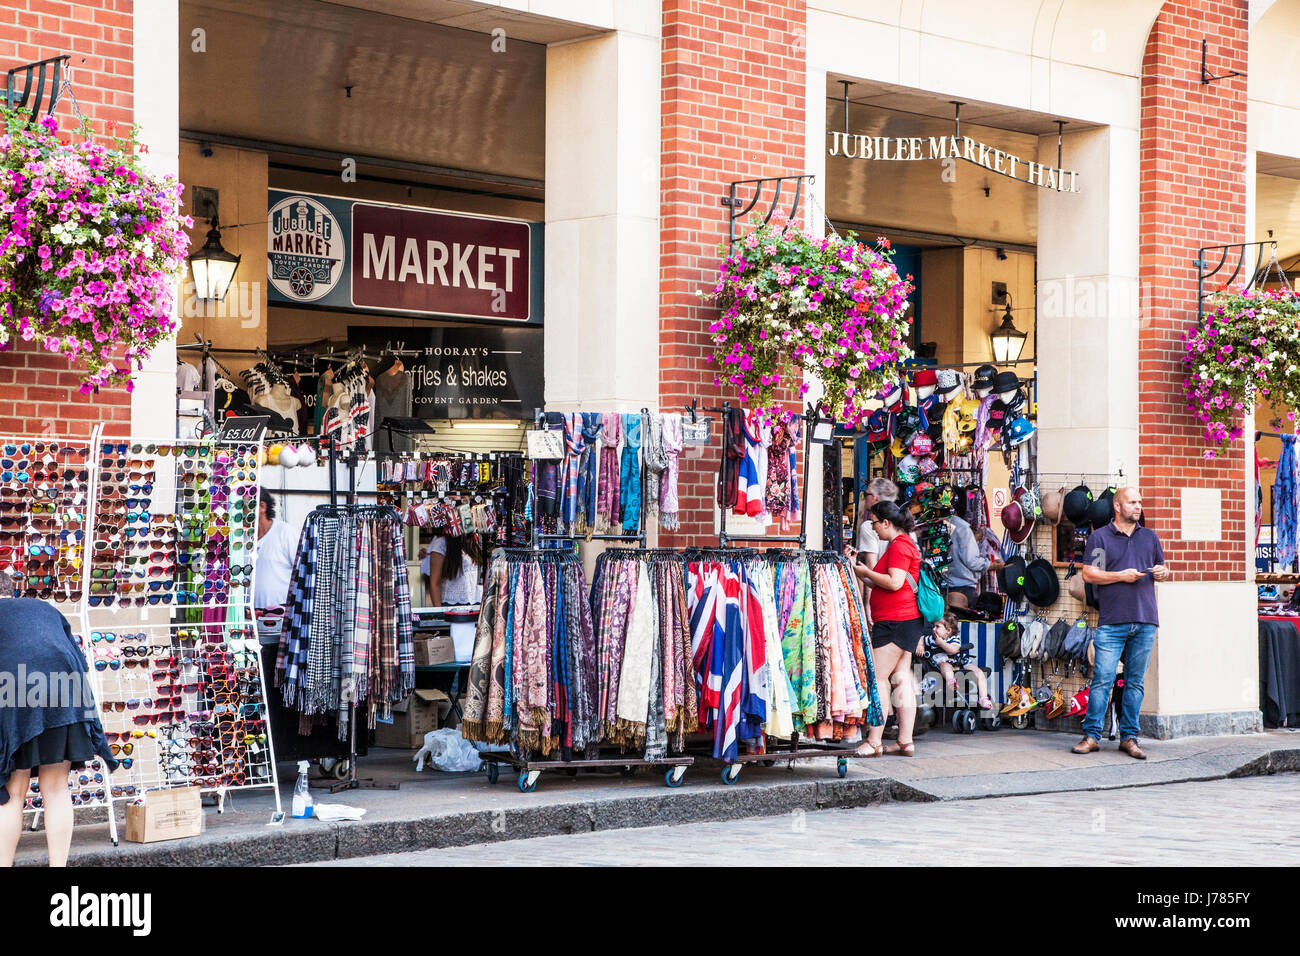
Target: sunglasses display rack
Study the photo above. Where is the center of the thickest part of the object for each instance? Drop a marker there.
(184, 706)
(176, 533)
(46, 511)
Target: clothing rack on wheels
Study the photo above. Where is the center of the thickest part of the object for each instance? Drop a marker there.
(783, 749)
(351, 781)
(530, 769)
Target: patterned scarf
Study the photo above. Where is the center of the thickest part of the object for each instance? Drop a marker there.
(571, 469)
(608, 492)
(672, 445)
(587, 471)
(655, 462)
(482, 671)
(634, 679)
(630, 475)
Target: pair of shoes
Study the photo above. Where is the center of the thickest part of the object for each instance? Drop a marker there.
(1130, 747)
(1085, 746)
(901, 750)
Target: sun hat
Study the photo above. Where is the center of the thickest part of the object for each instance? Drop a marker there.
(1052, 504)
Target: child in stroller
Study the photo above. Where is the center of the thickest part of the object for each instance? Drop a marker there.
(943, 650)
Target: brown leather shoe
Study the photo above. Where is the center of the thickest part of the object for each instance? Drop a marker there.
(1131, 748)
(1085, 746)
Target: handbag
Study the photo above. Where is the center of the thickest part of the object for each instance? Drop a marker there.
(1032, 641)
(545, 444)
(929, 599)
(1054, 644)
(1076, 640)
(1009, 641)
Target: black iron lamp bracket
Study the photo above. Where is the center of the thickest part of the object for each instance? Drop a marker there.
(1206, 75)
(738, 208)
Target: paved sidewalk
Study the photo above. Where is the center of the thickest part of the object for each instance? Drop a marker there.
(1217, 823)
(435, 809)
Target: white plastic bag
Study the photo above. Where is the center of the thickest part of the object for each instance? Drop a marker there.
(448, 750)
(333, 812)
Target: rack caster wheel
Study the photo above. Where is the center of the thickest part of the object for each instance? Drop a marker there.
(842, 767)
(769, 763)
(493, 772)
(327, 766)
(673, 778)
(1020, 721)
(528, 780)
(958, 724)
(627, 772)
(341, 770)
(990, 723)
(730, 773)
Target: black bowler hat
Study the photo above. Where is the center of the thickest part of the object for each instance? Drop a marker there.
(1006, 382)
(1011, 577)
(1042, 586)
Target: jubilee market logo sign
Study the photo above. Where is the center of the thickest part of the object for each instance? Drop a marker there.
(957, 146)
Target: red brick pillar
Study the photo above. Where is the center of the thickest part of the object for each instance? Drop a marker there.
(733, 108)
(1192, 194)
(38, 391)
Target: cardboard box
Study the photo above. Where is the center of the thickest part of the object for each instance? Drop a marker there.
(165, 815)
(438, 649)
(414, 717)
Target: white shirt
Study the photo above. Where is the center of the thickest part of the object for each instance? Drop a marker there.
(276, 551)
(462, 589)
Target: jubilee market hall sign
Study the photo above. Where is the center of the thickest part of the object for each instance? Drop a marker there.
(913, 148)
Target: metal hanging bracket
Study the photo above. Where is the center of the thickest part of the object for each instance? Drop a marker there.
(1210, 261)
(737, 208)
(1206, 76)
(52, 72)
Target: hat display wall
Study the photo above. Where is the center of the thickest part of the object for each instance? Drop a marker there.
(1014, 520)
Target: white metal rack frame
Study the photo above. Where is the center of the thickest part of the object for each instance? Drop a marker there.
(215, 608)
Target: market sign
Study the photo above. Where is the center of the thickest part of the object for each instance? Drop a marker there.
(915, 148)
(460, 372)
(336, 253)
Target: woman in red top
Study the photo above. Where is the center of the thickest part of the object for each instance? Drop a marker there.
(896, 624)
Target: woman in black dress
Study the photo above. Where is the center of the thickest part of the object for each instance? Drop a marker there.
(49, 721)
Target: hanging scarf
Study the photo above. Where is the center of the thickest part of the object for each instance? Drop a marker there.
(655, 461)
(1286, 506)
(608, 495)
(672, 445)
(733, 442)
(587, 470)
(795, 429)
(630, 475)
(483, 668)
(634, 679)
(776, 498)
(571, 469)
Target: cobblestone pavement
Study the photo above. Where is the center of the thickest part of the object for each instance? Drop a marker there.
(1243, 822)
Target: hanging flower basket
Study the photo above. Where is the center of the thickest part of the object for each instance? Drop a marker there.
(793, 302)
(1246, 348)
(91, 245)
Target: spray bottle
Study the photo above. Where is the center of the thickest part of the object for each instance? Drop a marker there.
(303, 804)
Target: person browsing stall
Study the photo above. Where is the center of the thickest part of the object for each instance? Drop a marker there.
(965, 561)
(897, 625)
(1124, 560)
(454, 565)
(277, 547)
(48, 734)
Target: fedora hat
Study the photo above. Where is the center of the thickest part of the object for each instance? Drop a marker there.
(1076, 505)
(1053, 501)
(948, 383)
(1005, 382)
(1016, 517)
(1011, 577)
(1042, 586)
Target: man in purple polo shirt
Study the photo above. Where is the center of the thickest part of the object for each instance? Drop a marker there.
(1124, 560)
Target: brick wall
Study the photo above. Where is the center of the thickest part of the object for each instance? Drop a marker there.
(1193, 194)
(38, 391)
(733, 108)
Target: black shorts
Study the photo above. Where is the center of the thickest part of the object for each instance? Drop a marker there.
(902, 634)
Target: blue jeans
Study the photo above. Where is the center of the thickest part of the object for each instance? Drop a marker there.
(1133, 643)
